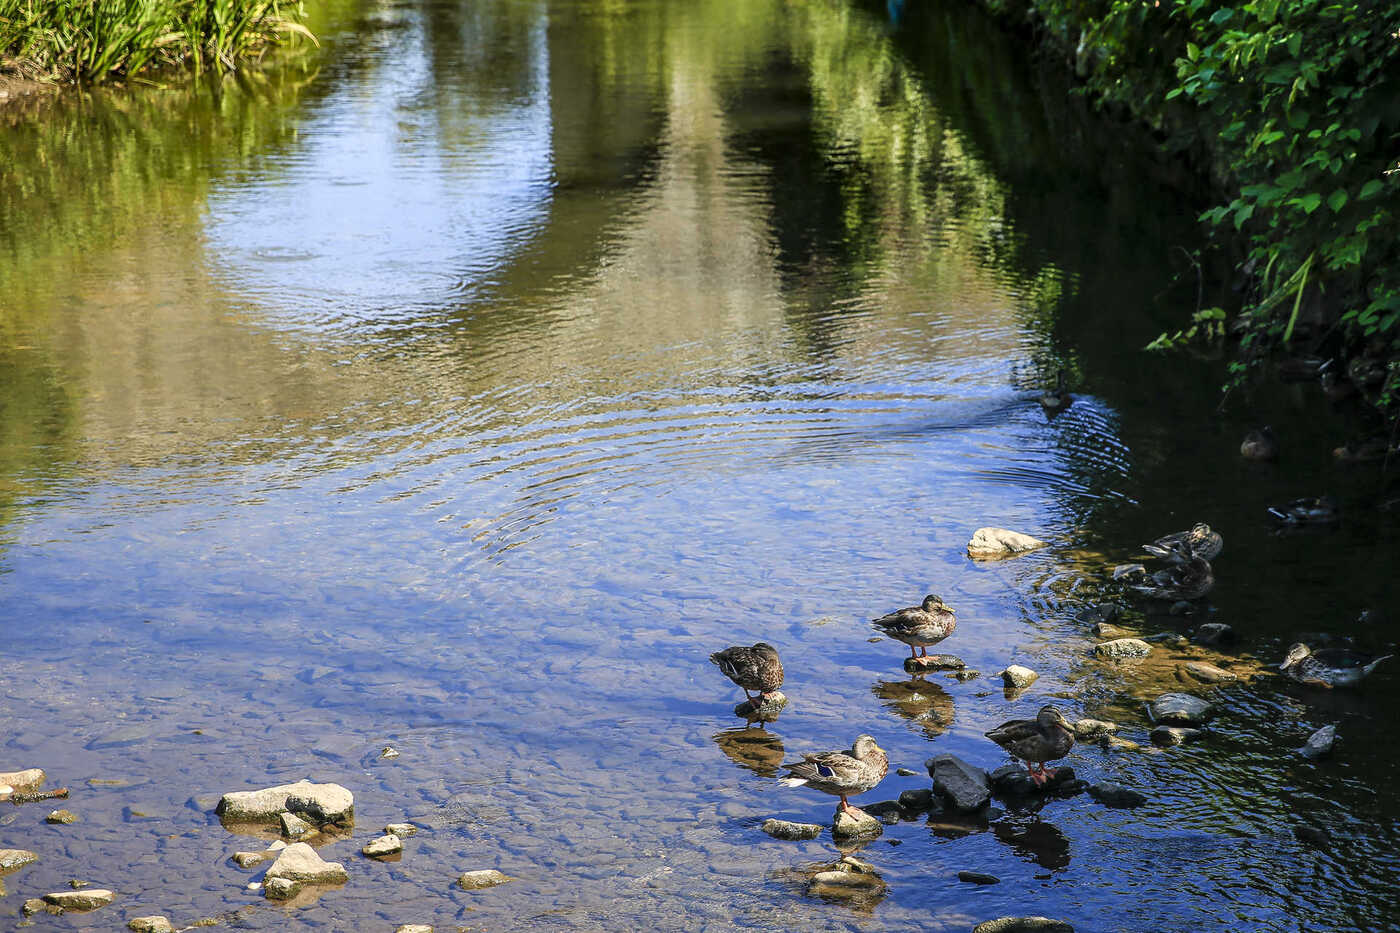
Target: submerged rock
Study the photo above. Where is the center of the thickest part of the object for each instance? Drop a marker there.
(482, 878)
(1017, 676)
(1109, 630)
(323, 803)
(1212, 633)
(15, 859)
(1180, 709)
(1116, 795)
(86, 899)
(1120, 648)
(61, 816)
(152, 924)
(1205, 673)
(996, 543)
(1023, 925)
(786, 829)
(855, 825)
(383, 846)
(1174, 735)
(1319, 743)
(977, 877)
(963, 786)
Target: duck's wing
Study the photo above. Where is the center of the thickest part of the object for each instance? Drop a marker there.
(838, 769)
(902, 621)
(1014, 732)
(736, 663)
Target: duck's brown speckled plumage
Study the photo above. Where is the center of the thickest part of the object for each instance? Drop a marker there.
(1189, 578)
(752, 668)
(1328, 667)
(841, 773)
(1200, 540)
(1035, 741)
(919, 626)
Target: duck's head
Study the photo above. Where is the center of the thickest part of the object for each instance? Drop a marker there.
(1052, 716)
(1295, 654)
(933, 603)
(865, 746)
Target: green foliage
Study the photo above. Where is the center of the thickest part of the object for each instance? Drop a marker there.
(1296, 108)
(93, 40)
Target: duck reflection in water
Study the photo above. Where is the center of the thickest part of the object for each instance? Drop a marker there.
(925, 704)
(753, 748)
(1034, 839)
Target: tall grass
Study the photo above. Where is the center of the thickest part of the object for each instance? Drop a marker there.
(93, 40)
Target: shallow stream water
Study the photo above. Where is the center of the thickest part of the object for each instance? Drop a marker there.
(460, 388)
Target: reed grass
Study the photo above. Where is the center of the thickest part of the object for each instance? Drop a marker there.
(91, 41)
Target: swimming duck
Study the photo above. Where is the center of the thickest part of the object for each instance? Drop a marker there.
(1328, 667)
(1190, 577)
(1320, 510)
(841, 773)
(1056, 399)
(1362, 451)
(919, 626)
(1200, 540)
(1035, 741)
(757, 668)
(1259, 445)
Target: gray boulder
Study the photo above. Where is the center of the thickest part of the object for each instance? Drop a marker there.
(964, 786)
(321, 803)
(1319, 743)
(1123, 648)
(1116, 795)
(1180, 709)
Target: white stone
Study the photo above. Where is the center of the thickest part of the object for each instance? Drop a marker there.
(388, 844)
(301, 863)
(1017, 676)
(86, 899)
(483, 878)
(999, 542)
(23, 782)
(324, 803)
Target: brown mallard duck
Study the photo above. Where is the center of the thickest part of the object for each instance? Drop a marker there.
(841, 773)
(1056, 398)
(1035, 741)
(1259, 444)
(1190, 577)
(919, 626)
(756, 668)
(1328, 667)
(1199, 539)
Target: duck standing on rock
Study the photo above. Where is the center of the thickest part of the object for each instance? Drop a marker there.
(1199, 540)
(919, 626)
(1035, 741)
(841, 773)
(757, 668)
(1328, 667)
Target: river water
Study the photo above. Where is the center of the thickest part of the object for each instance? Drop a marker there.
(459, 388)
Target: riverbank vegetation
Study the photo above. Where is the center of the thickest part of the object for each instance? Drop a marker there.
(91, 41)
(1294, 110)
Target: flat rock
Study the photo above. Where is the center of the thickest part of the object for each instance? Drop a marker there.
(996, 543)
(1023, 925)
(1212, 633)
(152, 924)
(1319, 743)
(15, 859)
(1109, 630)
(23, 782)
(413, 928)
(1205, 672)
(934, 662)
(1174, 735)
(86, 899)
(978, 877)
(1120, 648)
(1116, 795)
(482, 878)
(855, 825)
(1179, 709)
(250, 859)
(1017, 676)
(321, 803)
(786, 829)
(301, 864)
(383, 846)
(1093, 728)
(962, 785)
(402, 830)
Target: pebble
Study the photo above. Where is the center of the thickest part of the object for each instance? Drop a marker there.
(61, 816)
(413, 928)
(906, 772)
(963, 677)
(389, 752)
(1319, 743)
(977, 877)
(383, 846)
(402, 830)
(152, 924)
(1017, 676)
(785, 829)
(482, 878)
(1121, 648)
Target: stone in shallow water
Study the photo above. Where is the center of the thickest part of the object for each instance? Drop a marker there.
(1092, 728)
(61, 816)
(1174, 735)
(324, 803)
(1180, 709)
(15, 859)
(293, 826)
(905, 772)
(962, 785)
(1109, 630)
(1023, 925)
(482, 878)
(978, 877)
(1116, 795)
(916, 800)
(1015, 780)
(86, 899)
(785, 829)
(1205, 673)
(1122, 648)
(250, 859)
(402, 830)
(934, 662)
(23, 782)
(152, 924)
(855, 825)
(995, 543)
(1212, 633)
(302, 864)
(1320, 742)
(771, 705)
(1017, 676)
(383, 846)
(414, 928)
